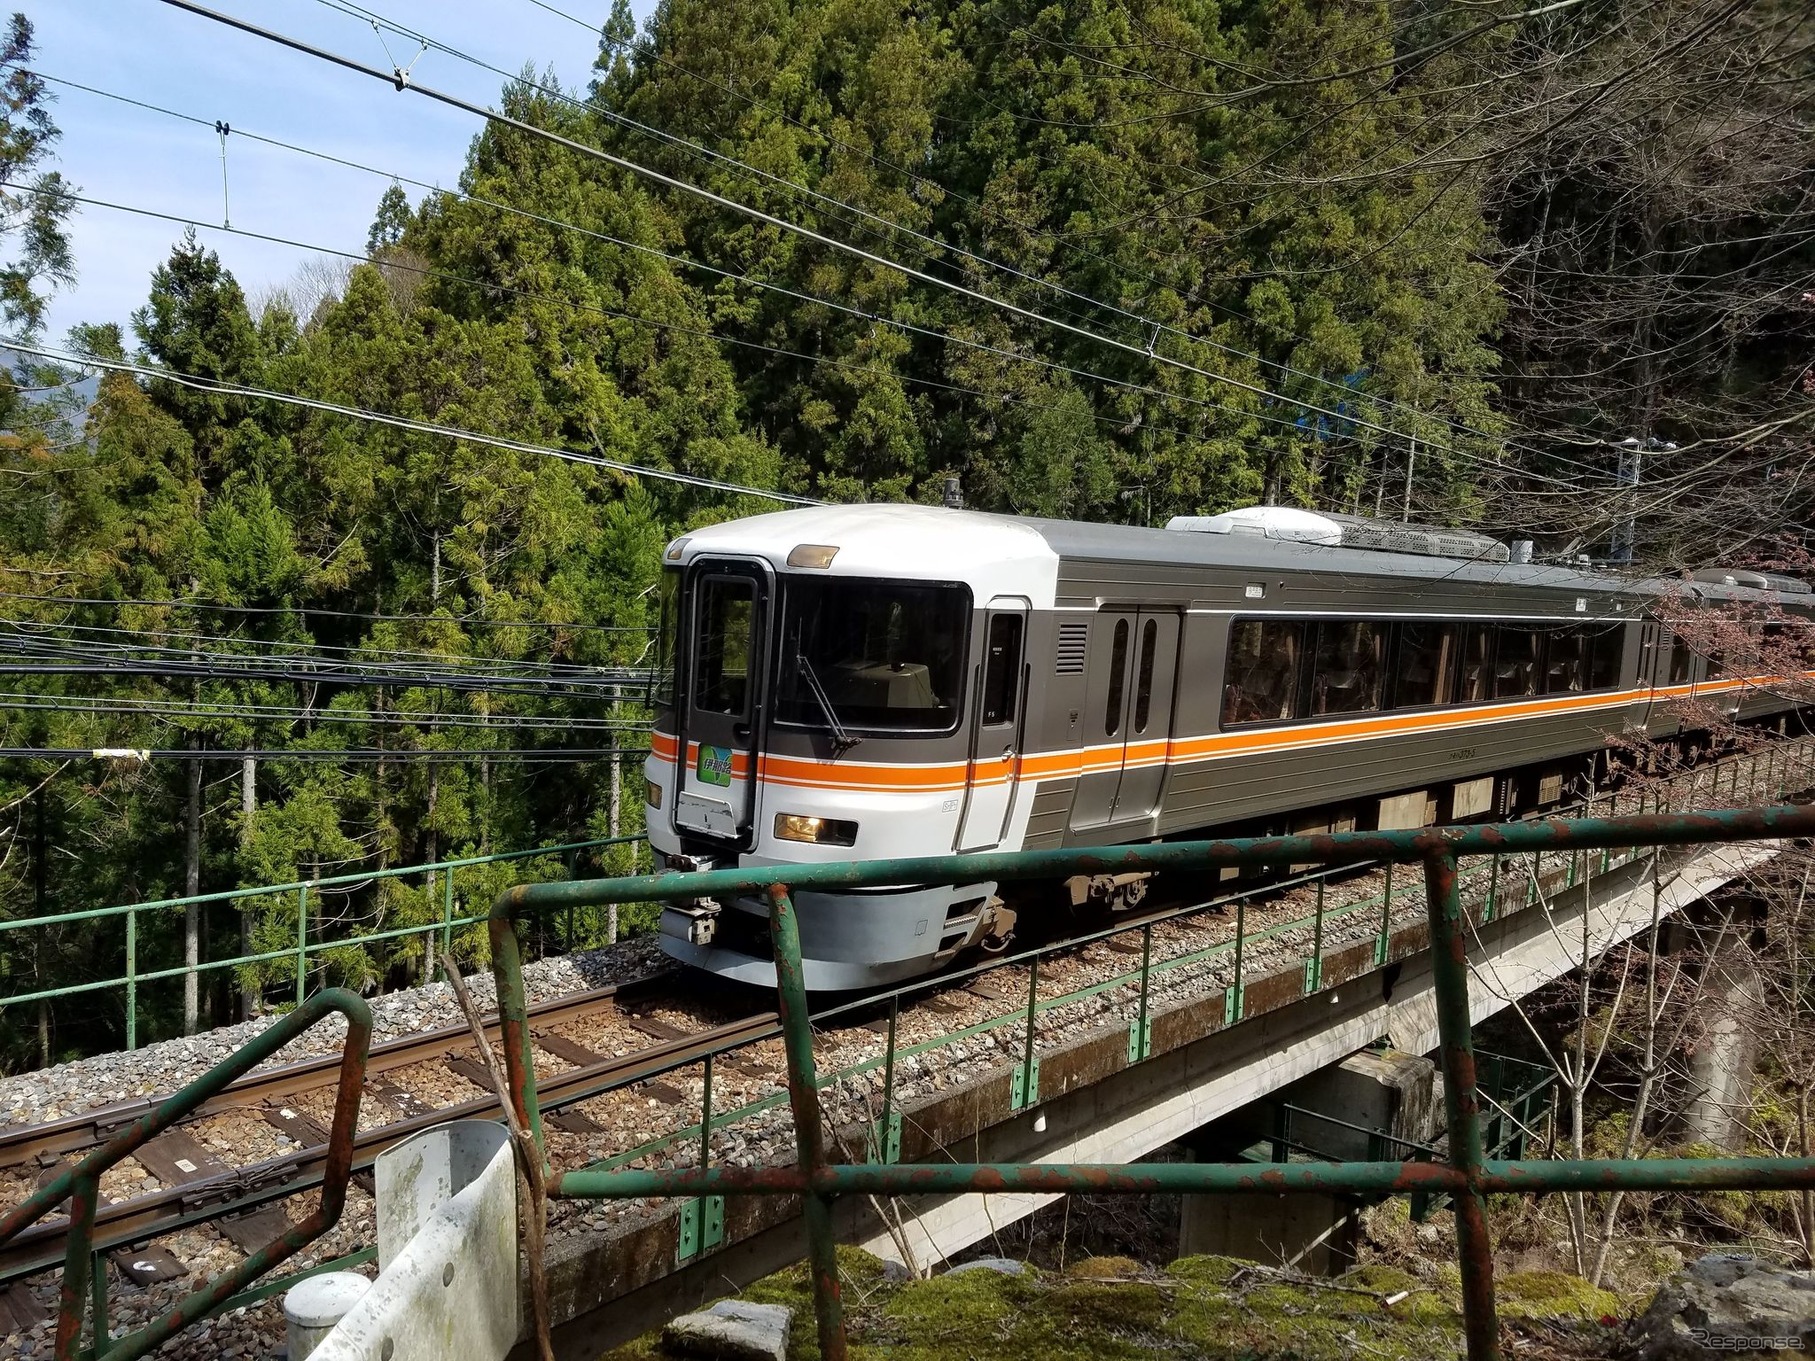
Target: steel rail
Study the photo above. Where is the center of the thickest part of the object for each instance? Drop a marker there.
(35, 1143)
(246, 1188)
(80, 1186)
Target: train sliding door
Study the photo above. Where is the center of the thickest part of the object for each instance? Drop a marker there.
(722, 707)
(1128, 710)
(995, 742)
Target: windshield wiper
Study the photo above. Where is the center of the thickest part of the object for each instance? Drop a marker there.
(842, 741)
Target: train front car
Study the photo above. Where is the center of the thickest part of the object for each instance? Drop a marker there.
(842, 684)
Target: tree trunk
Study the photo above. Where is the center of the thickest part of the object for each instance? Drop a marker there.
(430, 846)
(192, 885)
(248, 805)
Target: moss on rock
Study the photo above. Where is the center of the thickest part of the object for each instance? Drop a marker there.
(1115, 1309)
(1553, 1294)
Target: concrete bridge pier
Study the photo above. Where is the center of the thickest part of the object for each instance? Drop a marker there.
(1722, 1058)
(1371, 1106)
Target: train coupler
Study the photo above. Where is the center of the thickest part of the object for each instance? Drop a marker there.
(695, 922)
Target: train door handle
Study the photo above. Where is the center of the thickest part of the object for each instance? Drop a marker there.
(741, 732)
(1008, 753)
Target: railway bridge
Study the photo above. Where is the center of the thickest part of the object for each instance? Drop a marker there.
(1107, 1049)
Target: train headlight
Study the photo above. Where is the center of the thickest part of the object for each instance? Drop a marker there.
(654, 796)
(820, 831)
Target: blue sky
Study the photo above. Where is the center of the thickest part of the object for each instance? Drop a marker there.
(155, 53)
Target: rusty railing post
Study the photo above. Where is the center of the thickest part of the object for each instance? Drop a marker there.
(513, 1015)
(1449, 968)
(80, 1185)
(809, 1139)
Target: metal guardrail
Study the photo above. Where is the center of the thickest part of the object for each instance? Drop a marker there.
(1468, 1176)
(435, 933)
(80, 1185)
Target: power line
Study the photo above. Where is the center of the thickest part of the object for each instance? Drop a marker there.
(399, 422)
(30, 701)
(1147, 326)
(759, 215)
(571, 304)
(428, 755)
(1286, 421)
(320, 611)
(37, 636)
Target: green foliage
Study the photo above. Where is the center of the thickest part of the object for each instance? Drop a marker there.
(35, 220)
(1169, 158)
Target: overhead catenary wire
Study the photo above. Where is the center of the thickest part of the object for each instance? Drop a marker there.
(319, 611)
(681, 261)
(512, 290)
(1146, 326)
(806, 233)
(432, 755)
(27, 701)
(1284, 420)
(202, 384)
(1151, 328)
(46, 638)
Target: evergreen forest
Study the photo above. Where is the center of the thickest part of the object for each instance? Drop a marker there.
(265, 621)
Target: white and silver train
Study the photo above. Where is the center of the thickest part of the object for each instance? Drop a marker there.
(865, 681)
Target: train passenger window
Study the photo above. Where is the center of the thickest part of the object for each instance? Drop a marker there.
(1001, 669)
(1260, 679)
(1118, 672)
(1347, 671)
(721, 669)
(1477, 664)
(1143, 681)
(1682, 660)
(1717, 665)
(1516, 654)
(1606, 650)
(1427, 664)
(1566, 662)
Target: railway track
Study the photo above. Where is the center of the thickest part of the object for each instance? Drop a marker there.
(197, 1189)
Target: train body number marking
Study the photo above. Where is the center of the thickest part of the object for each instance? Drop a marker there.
(714, 765)
(1461, 754)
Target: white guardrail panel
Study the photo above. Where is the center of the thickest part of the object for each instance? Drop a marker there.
(448, 1291)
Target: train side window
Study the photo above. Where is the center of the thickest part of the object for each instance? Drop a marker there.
(1118, 672)
(1143, 684)
(1427, 665)
(1002, 669)
(1516, 654)
(1566, 662)
(1477, 665)
(1606, 650)
(1682, 660)
(1260, 678)
(1347, 672)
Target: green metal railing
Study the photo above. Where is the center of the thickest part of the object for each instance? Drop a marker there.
(1572, 847)
(85, 1270)
(312, 938)
(1506, 883)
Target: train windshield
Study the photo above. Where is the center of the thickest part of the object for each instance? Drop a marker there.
(888, 656)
